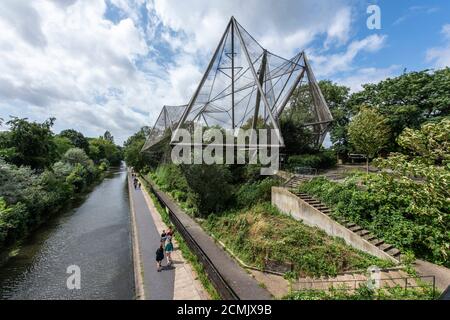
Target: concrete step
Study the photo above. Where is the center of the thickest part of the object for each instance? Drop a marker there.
(355, 228)
(393, 252)
(377, 242)
(369, 237)
(385, 246)
(350, 224)
(362, 232)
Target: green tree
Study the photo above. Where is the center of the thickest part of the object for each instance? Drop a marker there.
(76, 155)
(62, 145)
(337, 97)
(409, 100)
(100, 148)
(77, 139)
(108, 136)
(30, 143)
(139, 160)
(431, 143)
(368, 133)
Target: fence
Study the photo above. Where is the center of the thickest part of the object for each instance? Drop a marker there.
(219, 283)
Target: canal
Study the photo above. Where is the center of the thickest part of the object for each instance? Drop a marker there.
(93, 235)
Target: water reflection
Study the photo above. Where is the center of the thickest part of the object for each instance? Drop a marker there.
(95, 235)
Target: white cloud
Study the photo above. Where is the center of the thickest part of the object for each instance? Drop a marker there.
(283, 27)
(440, 56)
(326, 65)
(367, 75)
(63, 58)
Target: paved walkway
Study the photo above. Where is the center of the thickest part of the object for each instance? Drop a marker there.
(176, 282)
(441, 273)
(242, 283)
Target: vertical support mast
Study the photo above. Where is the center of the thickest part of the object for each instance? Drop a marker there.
(255, 77)
(232, 73)
(205, 76)
(262, 72)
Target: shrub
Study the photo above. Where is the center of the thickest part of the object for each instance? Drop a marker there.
(322, 160)
(13, 221)
(251, 193)
(260, 230)
(400, 211)
(74, 156)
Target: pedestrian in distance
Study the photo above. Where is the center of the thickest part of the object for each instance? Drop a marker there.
(159, 256)
(169, 249)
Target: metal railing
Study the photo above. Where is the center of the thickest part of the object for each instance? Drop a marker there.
(352, 284)
(219, 283)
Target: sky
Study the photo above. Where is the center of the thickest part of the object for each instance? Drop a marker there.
(98, 65)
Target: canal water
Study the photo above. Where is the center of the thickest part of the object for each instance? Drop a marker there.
(93, 235)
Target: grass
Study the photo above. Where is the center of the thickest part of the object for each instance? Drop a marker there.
(260, 231)
(185, 251)
(364, 293)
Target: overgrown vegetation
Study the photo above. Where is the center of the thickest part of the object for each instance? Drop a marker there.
(41, 172)
(320, 160)
(408, 204)
(260, 231)
(424, 292)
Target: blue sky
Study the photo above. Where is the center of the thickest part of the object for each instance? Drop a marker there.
(101, 65)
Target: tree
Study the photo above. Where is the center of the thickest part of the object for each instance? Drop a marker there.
(431, 143)
(140, 160)
(100, 148)
(337, 97)
(76, 155)
(368, 133)
(30, 143)
(108, 136)
(407, 101)
(299, 139)
(62, 145)
(76, 138)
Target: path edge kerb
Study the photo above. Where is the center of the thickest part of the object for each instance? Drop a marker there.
(137, 261)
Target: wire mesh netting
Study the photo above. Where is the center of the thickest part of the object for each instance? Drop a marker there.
(164, 125)
(245, 86)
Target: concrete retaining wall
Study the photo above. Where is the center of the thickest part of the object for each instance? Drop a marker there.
(289, 203)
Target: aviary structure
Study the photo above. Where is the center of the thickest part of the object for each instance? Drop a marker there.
(245, 86)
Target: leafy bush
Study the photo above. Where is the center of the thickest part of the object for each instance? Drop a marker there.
(13, 221)
(323, 160)
(29, 198)
(75, 156)
(251, 193)
(405, 213)
(424, 292)
(261, 230)
(201, 189)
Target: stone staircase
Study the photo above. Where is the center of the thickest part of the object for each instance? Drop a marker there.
(360, 231)
(296, 180)
(352, 280)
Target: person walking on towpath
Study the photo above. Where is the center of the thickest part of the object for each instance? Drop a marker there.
(159, 256)
(170, 231)
(163, 237)
(169, 249)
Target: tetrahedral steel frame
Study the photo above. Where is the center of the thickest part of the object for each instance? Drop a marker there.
(244, 86)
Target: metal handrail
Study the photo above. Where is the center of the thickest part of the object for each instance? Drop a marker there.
(220, 284)
(355, 281)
